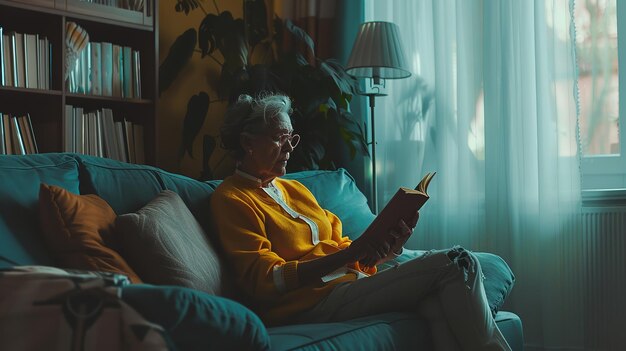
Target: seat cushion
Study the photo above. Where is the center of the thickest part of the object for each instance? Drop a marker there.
(20, 176)
(511, 327)
(78, 231)
(196, 320)
(389, 331)
(166, 245)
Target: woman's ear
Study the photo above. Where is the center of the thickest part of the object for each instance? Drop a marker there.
(246, 142)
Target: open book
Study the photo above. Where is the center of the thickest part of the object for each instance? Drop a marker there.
(402, 205)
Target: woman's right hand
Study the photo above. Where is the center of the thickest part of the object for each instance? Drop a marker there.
(377, 249)
(369, 251)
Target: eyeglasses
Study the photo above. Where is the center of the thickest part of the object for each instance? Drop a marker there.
(280, 139)
(293, 139)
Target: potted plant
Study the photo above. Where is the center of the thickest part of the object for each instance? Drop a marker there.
(267, 56)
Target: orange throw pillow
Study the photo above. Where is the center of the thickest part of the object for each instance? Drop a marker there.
(78, 230)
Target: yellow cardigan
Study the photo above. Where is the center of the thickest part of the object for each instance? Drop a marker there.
(257, 234)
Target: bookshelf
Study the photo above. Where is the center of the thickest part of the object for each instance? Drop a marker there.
(47, 106)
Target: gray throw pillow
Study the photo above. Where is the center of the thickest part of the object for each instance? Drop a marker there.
(164, 243)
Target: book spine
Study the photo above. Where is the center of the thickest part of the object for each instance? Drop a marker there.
(2, 63)
(121, 141)
(99, 134)
(20, 59)
(96, 69)
(31, 131)
(26, 54)
(48, 63)
(86, 69)
(79, 130)
(8, 65)
(110, 141)
(29, 146)
(107, 69)
(23, 134)
(30, 64)
(3, 149)
(14, 49)
(130, 140)
(8, 141)
(137, 74)
(40, 63)
(16, 136)
(115, 74)
(127, 80)
(93, 129)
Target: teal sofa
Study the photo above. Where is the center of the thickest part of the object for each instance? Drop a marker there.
(195, 320)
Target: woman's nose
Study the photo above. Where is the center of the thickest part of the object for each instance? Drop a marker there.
(287, 147)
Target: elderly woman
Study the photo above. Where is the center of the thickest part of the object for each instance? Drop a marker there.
(292, 262)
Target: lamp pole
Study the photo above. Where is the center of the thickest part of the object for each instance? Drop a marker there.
(372, 101)
(372, 98)
(377, 54)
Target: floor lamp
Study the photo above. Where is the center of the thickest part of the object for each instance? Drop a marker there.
(377, 54)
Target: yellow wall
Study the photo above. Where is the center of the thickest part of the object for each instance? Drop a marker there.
(172, 104)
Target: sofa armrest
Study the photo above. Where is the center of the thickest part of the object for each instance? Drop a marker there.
(196, 320)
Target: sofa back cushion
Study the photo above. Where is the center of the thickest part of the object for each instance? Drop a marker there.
(20, 240)
(337, 192)
(125, 187)
(128, 187)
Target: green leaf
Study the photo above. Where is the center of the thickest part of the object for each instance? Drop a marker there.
(186, 5)
(255, 21)
(348, 138)
(208, 147)
(300, 34)
(344, 82)
(179, 54)
(224, 33)
(344, 101)
(197, 109)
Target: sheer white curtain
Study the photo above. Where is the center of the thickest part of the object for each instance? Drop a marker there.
(502, 136)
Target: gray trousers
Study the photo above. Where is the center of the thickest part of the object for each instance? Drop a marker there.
(444, 287)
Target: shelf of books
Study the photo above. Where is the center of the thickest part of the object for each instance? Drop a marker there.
(79, 76)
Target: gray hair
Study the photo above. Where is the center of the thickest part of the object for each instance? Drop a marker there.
(251, 115)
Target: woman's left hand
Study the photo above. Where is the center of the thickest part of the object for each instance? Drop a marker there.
(404, 232)
(400, 234)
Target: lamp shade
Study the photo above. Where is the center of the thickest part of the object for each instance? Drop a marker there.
(378, 52)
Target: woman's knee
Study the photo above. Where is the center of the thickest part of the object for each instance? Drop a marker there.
(465, 262)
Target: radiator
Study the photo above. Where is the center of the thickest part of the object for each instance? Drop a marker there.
(604, 277)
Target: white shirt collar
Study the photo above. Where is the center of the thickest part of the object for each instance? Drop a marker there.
(249, 176)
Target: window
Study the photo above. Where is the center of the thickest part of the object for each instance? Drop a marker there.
(600, 48)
